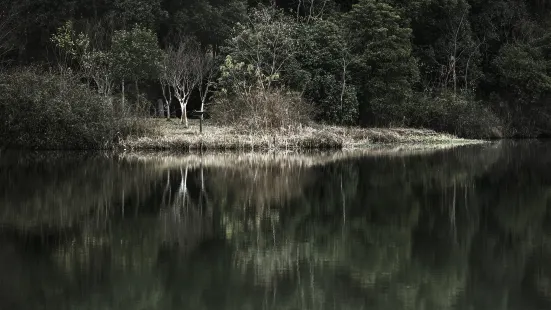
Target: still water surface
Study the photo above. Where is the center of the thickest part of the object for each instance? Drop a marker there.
(467, 228)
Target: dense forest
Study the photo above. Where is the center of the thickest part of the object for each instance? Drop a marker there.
(469, 67)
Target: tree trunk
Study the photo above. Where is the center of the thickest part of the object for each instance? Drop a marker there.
(184, 114)
(160, 110)
(454, 76)
(122, 93)
(202, 112)
(137, 94)
(168, 110)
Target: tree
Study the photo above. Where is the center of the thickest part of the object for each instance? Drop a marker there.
(383, 68)
(182, 72)
(525, 86)
(447, 49)
(206, 72)
(523, 72)
(267, 42)
(312, 9)
(164, 81)
(136, 55)
(98, 65)
(325, 54)
(210, 21)
(146, 13)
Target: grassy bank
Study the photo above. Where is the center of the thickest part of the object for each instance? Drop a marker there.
(170, 135)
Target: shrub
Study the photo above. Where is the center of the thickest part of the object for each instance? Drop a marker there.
(457, 114)
(262, 110)
(55, 111)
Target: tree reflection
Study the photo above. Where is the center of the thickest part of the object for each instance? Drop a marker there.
(466, 228)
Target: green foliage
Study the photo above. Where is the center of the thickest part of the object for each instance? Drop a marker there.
(252, 93)
(448, 51)
(146, 13)
(325, 92)
(523, 72)
(69, 42)
(358, 61)
(322, 46)
(248, 100)
(383, 67)
(238, 77)
(211, 21)
(325, 55)
(51, 111)
(71, 46)
(458, 114)
(136, 53)
(266, 42)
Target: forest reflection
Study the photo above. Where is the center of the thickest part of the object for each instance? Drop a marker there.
(465, 228)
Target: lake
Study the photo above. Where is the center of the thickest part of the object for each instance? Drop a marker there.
(462, 228)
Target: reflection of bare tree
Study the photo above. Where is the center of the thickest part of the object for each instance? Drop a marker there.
(403, 232)
(183, 220)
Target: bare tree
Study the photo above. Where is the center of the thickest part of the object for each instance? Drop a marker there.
(346, 59)
(182, 72)
(164, 80)
(453, 56)
(461, 52)
(206, 72)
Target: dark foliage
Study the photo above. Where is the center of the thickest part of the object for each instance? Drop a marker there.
(368, 62)
(55, 111)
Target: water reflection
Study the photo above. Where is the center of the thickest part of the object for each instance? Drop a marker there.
(467, 228)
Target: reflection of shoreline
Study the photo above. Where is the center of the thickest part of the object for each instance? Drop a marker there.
(168, 159)
(61, 189)
(404, 230)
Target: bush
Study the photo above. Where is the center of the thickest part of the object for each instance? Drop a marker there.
(54, 111)
(262, 110)
(457, 114)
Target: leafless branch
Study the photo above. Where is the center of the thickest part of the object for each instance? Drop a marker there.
(182, 71)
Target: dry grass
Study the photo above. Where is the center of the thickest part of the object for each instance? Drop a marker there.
(175, 137)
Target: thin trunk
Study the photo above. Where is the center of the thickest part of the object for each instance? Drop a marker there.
(203, 98)
(122, 100)
(184, 114)
(454, 56)
(454, 78)
(183, 107)
(168, 110)
(343, 86)
(137, 94)
(311, 10)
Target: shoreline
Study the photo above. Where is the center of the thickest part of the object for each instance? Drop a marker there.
(171, 136)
